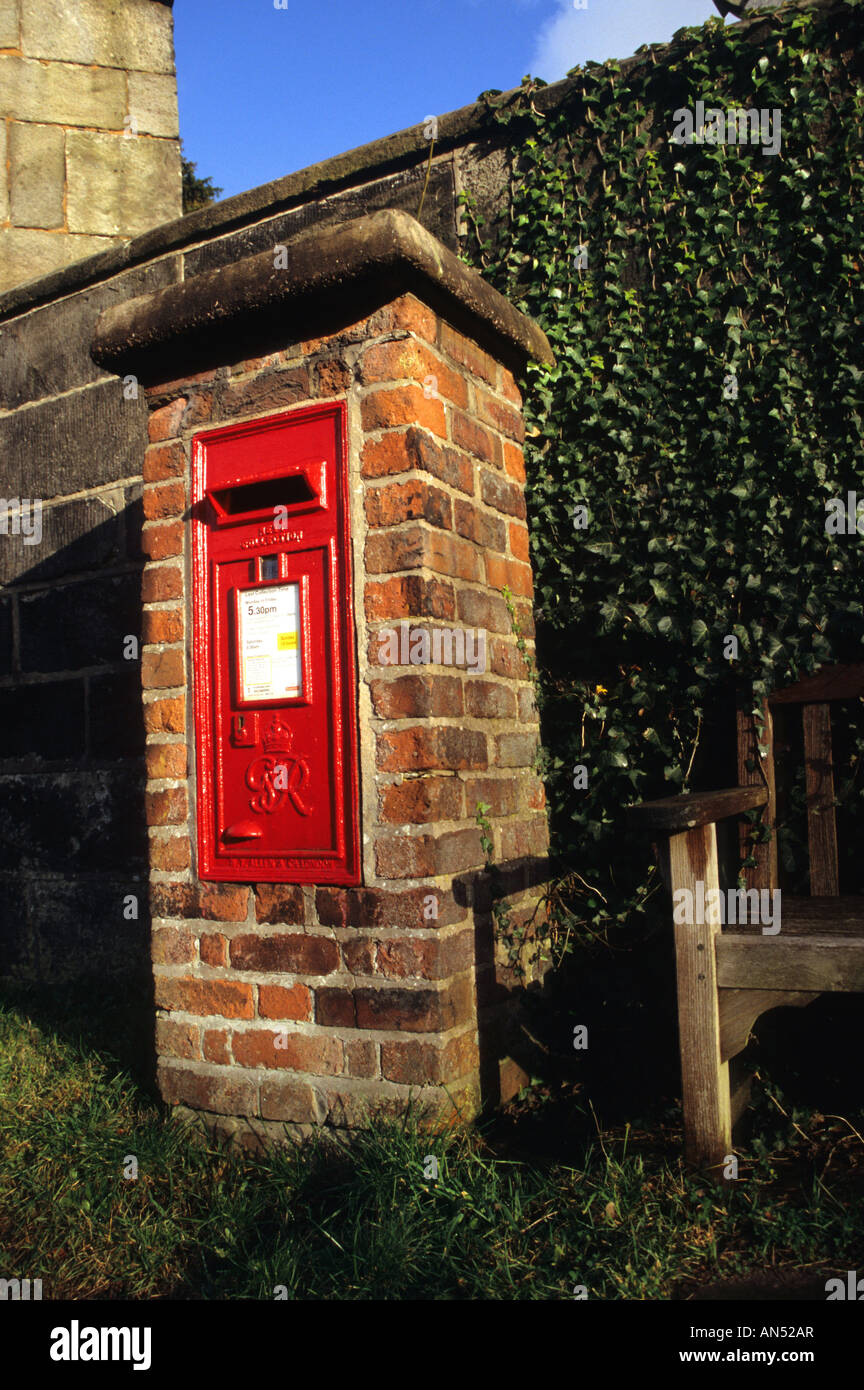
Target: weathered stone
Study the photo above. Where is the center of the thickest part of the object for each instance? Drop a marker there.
(115, 716)
(79, 625)
(118, 186)
(4, 190)
(6, 637)
(8, 23)
(73, 443)
(38, 160)
(72, 822)
(153, 103)
(45, 352)
(43, 721)
(61, 93)
(27, 253)
(112, 33)
(84, 534)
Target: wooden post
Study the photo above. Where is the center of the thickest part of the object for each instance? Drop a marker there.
(704, 1076)
(821, 820)
(764, 873)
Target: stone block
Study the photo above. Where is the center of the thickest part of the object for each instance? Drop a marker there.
(118, 186)
(63, 94)
(8, 23)
(46, 352)
(44, 721)
(38, 160)
(73, 822)
(75, 626)
(27, 253)
(4, 175)
(110, 33)
(153, 104)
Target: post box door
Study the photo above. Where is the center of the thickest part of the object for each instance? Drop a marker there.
(274, 652)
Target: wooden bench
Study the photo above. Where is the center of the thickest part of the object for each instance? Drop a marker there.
(730, 975)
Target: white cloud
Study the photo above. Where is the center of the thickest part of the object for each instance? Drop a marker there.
(608, 29)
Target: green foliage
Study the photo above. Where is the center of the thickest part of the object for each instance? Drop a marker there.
(360, 1219)
(197, 192)
(706, 510)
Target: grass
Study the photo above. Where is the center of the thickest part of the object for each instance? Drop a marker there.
(360, 1221)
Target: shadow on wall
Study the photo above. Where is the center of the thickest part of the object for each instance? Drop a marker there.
(74, 923)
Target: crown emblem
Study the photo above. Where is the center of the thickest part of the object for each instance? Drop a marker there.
(277, 737)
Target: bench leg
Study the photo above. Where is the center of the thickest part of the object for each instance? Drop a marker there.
(704, 1076)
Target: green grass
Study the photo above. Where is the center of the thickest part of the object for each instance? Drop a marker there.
(359, 1220)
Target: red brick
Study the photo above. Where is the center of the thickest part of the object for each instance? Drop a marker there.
(374, 907)
(427, 856)
(507, 386)
(499, 793)
(171, 946)
(385, 408)
(333, 377)
(164, 423)
(172, 900)
(162, 670)
(505, 659)
(478, 609)
(225, 1094)
(515, 750)
(415, 450)
(175, 1039)
(227, 998)
(479, 526)
(415, 1063)
(213, 949)
(158, 542)
(512, 573)
(417, 697)
(514, 462)
(295, 955)
(223, 902)
(501, 417)
(169, 852)
(162, 625)
(160, 583)
(292, 1102)
(422, 800)
(321, 1056)
(278, 903)
(165, 716)
(519, 541)
(406, 358)
(359, 955)
(489, 700)
(270, 391)
(467, 353)
(274, 1001)
(415, 1010)
(423, 749)
(406, 312)
(334, 1008)
(163, 461)
(411, 596)
(361, 1058)
(166, 807)
(501, 494)
(467, 434)
(165, 760)
(390, 503)
(214, 1046)
(167, 500)
(199, 410)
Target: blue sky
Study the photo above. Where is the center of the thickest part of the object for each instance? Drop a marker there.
(265, 91)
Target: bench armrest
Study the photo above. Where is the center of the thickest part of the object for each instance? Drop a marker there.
(677, 813)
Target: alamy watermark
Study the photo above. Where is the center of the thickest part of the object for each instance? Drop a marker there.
(436, 646)
(736, 126)
(734, 906)
(21, 516)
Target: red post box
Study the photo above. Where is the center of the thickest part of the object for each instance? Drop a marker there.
(273, 651)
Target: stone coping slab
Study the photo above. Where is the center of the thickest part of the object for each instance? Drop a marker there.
(348, 268)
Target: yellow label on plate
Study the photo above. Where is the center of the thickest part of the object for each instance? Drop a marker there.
(285, 641)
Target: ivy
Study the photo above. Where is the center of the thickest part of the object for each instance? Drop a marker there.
(704, 303)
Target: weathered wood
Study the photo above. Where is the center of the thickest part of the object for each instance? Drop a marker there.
(740, 1008)
(760, 754)
(832, 683)
(813, 917)
(678, 813)
(704, 1075)
(822, 964)
(821, 822)
(740, 1081)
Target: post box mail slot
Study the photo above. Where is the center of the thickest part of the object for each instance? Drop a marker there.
(274, 652)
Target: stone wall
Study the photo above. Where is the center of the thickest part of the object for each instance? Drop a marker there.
(89, 148)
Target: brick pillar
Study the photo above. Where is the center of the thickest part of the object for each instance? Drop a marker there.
(287, 1005)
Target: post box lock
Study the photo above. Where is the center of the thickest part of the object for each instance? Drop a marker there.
(274, 654)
